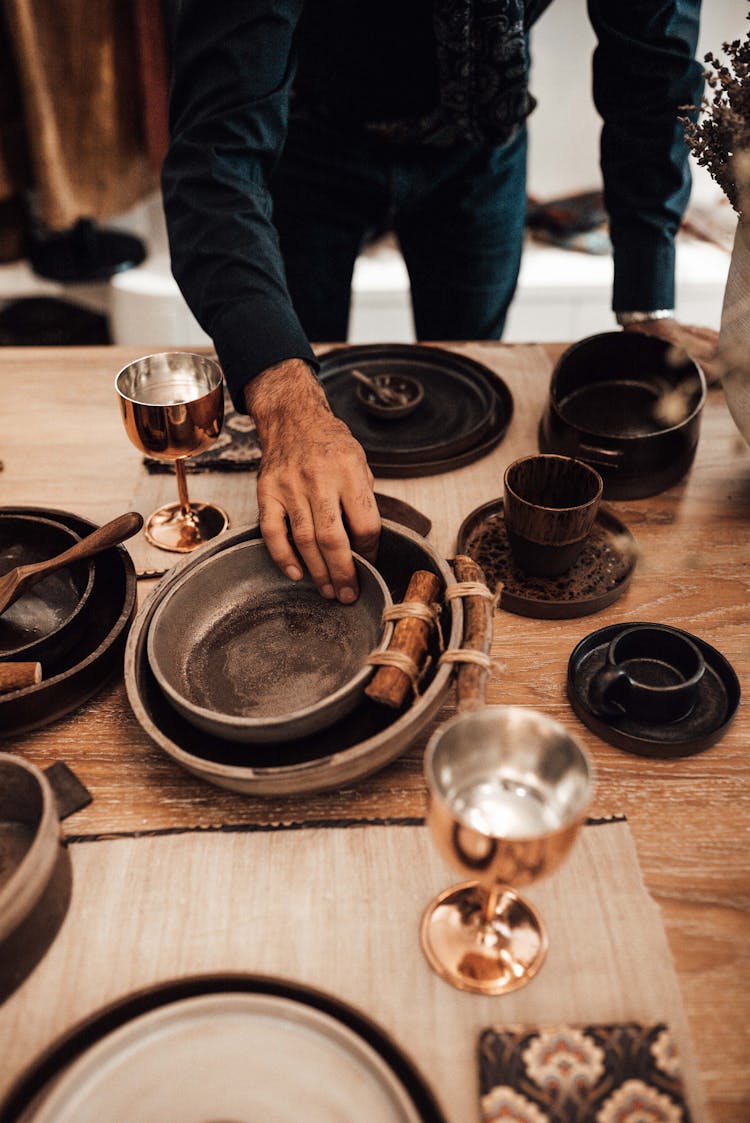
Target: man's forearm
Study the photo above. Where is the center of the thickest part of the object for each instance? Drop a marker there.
(645, 73)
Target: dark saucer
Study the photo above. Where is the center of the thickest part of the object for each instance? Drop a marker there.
(600, 575)
(716, 702)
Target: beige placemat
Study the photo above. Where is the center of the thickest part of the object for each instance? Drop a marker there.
(339, 908)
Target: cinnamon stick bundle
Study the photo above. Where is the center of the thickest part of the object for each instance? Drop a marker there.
(390, 685)
(14, 676)
(471, 680)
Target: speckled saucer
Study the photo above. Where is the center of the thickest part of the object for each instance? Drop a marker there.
(598, 578)
(714, 710)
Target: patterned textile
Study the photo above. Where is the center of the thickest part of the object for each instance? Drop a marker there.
(624, 1073)
(483, 70)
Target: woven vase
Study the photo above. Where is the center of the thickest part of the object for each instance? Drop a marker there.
(734, 333)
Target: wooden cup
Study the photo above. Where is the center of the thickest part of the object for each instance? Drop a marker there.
(551, 503)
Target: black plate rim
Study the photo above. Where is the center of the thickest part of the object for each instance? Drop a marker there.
(104, 655)
(498, 419)
(633, 742)
(552, 609)
(438, 449)
(72, 1043)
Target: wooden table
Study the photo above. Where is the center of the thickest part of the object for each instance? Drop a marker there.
(63, 447)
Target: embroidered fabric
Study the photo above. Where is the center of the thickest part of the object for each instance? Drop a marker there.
(483, 69)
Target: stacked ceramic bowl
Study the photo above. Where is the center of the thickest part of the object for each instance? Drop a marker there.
(243, 653)
(257, 684)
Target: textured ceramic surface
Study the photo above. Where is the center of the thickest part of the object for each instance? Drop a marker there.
(229, 1057)
(734, 334)
(244, 653)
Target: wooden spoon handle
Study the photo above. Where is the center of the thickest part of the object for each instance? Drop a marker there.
(111, 534)
(386, 396)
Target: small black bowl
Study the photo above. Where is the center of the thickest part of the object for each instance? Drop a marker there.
(410, 392)
(45, 622)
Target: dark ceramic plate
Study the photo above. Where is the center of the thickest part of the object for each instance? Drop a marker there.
(714, 710)
(28, 1090)
(464, 405)
(98, 650)
(598, 578)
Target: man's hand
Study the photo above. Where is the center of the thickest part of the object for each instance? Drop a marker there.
(314, 473)
(701, 344)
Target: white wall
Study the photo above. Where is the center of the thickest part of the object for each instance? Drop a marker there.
(564, 129)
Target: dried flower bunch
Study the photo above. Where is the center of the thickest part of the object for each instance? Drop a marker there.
(720, 140)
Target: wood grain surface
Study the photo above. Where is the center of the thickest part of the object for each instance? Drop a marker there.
(63, 446)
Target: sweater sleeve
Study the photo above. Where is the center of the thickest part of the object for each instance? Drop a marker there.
(232, 67)
(645, 76)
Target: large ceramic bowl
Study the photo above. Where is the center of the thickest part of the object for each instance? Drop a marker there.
(246, 654)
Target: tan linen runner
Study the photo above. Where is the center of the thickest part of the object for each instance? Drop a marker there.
(339, 909)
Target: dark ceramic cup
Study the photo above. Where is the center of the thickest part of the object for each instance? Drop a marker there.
(550, 505)
(651, 673)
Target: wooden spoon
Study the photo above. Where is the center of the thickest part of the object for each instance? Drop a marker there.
(383, 393)
(17, 581)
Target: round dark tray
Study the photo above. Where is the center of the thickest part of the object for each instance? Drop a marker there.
(465, 412)
(98, 650)
(598, 578)
(29, 1089)
(714, 710)
(367, 739)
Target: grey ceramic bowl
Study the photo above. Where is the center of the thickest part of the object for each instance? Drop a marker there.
(246, 654)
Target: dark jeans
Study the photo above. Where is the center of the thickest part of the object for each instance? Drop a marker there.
(458, 215)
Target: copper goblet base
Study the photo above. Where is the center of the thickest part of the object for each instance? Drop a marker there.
(179, 530)
(481, 948)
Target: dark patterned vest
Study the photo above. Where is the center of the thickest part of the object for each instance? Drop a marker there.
(483, 71)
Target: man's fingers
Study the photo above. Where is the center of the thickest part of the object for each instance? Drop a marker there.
(272, 516)
(320, 537)
(363, 521)
(335, 548)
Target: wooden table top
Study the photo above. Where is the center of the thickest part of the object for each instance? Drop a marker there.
(63, 446)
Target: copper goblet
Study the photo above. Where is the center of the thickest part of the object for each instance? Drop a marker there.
(172, 406)
(508, 789)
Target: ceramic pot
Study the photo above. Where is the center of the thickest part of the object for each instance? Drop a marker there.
(35, 870)
(734, 334)
(621, 402)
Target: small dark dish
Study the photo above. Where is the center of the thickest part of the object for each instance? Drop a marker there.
(244, 653)
(35, 871)
(45, 622)
(650, 673)
(407, 394)
(464, 414)
(717, 698)
(598, 577)
(629, 405)
(96, 653)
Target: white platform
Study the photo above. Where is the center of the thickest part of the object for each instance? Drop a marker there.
(561, 295)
